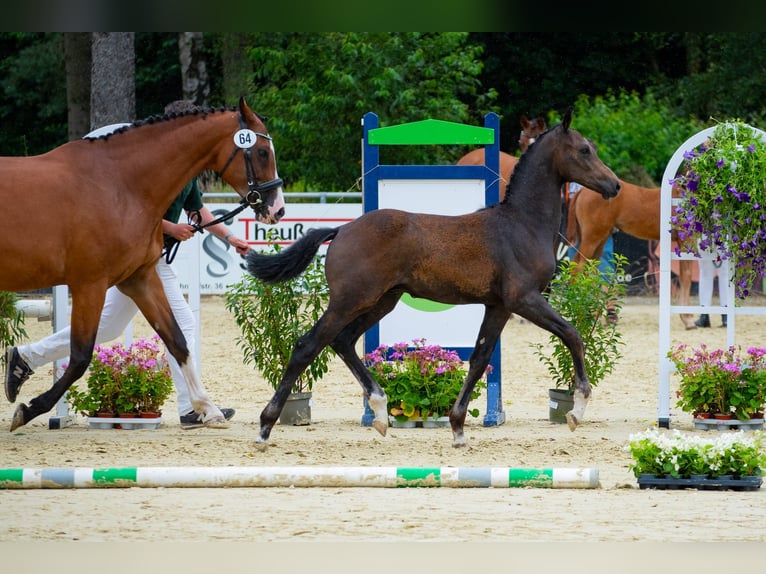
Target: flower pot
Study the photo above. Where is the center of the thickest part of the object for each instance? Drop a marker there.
(408, 424)
(560, 403)
(297, 410)
(723, 416)
(435, 422)
(149, 414)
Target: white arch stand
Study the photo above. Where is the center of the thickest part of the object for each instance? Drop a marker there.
(666, 257)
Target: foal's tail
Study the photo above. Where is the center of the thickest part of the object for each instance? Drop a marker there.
(292, 261)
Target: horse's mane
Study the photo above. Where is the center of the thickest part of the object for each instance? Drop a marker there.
(171, 116)
(520, 164)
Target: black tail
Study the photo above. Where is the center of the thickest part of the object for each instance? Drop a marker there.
(292, 261)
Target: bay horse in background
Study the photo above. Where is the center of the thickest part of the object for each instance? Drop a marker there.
(98, 206)
(636, 211)
(499, 256)
(530, 129)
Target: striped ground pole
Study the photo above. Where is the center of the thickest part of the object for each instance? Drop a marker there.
(298, 476)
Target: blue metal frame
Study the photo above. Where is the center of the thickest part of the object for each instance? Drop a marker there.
(373, 172)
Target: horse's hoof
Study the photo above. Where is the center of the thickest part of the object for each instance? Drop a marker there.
(216, 423)
(19, 417)
(381, 427)
(459, 441)
(571, 421)
(261, 445)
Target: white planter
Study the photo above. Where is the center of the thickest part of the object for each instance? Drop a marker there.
(124, 423)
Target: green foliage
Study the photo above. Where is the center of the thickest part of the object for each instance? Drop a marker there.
(11, 322)
(124, 380)
(636, 135)
(272, 316)
(421, 381)
(315, 88)
(680, 455)
(583, 296)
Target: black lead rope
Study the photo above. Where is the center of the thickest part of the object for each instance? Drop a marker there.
(170, 246)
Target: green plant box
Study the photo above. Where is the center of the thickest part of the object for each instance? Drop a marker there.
(745, 483)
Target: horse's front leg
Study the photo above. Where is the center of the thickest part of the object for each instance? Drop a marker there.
(86, 311)
(151, 294)
(492, 325)
(539, 311)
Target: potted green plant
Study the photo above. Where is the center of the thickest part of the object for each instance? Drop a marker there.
(583, 296)
(421, 381)
(11, 321)
(720, 381)
(124, 381)
(676, 457)
(722, 201)
(271, 318)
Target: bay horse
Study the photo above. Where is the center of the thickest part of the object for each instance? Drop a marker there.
(499, 256)
(530, 129)
(636, 211)
(90, 214)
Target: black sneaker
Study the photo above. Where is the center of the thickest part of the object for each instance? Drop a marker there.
(703, 321)
(16, 372)
(192, 419)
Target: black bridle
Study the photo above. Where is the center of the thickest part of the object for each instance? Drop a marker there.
(252, 199)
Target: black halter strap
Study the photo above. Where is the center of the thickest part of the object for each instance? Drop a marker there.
(255, 189)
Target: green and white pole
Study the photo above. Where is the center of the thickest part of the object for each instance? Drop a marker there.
(298, 476)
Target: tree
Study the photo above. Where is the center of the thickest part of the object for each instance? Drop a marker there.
(237, 65)
(315, 88)
(77, 56)
(113, 78)
(194, 82)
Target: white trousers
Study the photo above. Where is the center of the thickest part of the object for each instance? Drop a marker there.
(706, 279)
(119, 310)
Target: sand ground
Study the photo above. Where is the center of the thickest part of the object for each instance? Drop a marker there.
(617, 512)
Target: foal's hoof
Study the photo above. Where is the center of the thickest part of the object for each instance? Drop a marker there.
(380, 426)
(19, 417)
(571, 421)
(216, 423)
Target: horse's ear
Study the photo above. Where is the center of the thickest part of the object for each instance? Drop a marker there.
(524, 122)
(541, 122)
(567, 119)
(243, 107)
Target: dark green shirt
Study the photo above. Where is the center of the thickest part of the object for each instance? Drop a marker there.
(190, 199)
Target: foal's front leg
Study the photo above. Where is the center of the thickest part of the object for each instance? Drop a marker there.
(492, 325)
(539, 312)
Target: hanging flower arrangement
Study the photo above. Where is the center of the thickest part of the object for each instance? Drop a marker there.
(723, 197)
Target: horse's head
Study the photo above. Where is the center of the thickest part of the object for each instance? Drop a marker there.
(251, 166)
(575, 159)
(530, 129)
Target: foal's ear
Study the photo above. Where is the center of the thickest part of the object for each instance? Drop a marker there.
(567, 119)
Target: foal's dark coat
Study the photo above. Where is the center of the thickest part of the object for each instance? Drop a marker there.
(500, 256)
